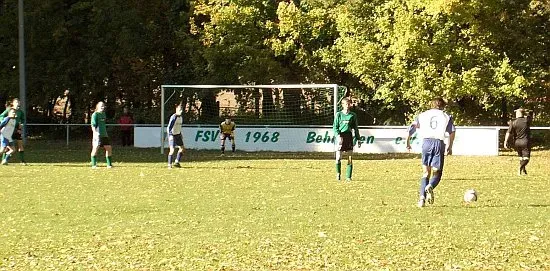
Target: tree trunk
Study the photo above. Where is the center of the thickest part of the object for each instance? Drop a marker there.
(292, 104)
(208, 107)
(504, 113)
(257, 95)
(267, 104)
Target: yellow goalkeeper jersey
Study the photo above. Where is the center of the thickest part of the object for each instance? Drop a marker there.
(227, 128)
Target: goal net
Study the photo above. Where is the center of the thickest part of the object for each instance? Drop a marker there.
(263, 105)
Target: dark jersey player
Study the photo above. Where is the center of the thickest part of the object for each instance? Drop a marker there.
(100, 138)
(520, 132)
(345, 122)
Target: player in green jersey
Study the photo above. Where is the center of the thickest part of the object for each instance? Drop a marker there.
(345, 122)
(99, 135)
(19, 121)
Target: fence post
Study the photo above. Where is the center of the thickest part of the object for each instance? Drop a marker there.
(67, 125)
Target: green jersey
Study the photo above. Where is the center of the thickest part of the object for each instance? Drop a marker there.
(346, 122)
(19, 116)
(98, 121)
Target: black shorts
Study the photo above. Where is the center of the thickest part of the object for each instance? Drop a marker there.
(346, 142)
(16, 135)
(523, 147)
(175, 140)
(224, 136)
(101, 141)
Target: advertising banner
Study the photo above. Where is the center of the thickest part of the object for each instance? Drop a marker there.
(468, 140)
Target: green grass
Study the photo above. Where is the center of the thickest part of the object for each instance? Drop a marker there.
(269, 211)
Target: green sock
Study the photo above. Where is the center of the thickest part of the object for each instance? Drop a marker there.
(3, 156)
(94, 161)
(349, 169)
(108, 158)
(338, 167)
(22, 156)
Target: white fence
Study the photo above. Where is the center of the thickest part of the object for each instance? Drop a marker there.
(69, 126)
(376, 139)
(468, 141)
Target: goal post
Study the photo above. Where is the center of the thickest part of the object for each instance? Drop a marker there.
(246, 101)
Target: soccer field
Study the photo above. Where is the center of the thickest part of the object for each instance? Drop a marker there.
(269, 211)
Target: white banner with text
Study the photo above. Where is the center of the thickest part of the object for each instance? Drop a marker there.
(468, 140)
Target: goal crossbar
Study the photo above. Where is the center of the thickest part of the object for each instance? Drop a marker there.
(255, 86)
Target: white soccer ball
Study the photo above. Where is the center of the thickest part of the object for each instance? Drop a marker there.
(470, 196)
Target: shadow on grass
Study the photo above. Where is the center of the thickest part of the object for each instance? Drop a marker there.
(466, 179)
(538, 205)
(534, 151)
(481, 206)
(79, 152)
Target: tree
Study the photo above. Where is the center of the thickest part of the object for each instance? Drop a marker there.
(8, 50)
(485, 57)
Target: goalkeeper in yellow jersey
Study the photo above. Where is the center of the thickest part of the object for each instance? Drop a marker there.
(227, 130)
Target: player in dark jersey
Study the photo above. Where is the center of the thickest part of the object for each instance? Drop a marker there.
(519, 132)
(345, 122)
(100, 138)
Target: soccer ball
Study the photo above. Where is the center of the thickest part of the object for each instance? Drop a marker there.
(470, 196)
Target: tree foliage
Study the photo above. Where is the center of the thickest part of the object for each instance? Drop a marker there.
(484, 56)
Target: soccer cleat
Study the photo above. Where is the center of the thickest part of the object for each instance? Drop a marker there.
(94, 167)
(429, 194)
(177, 165)
(421, 203)
(169, 166)
(524, 171)
(5, 162)
(109, 166)
(348, 179)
